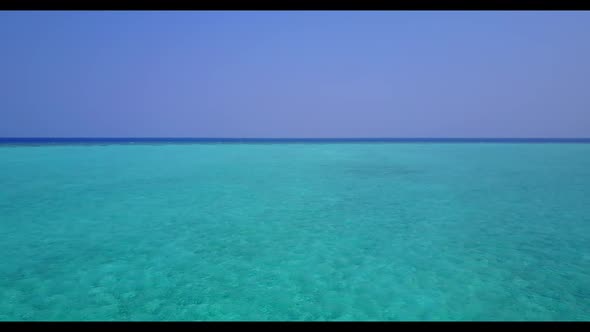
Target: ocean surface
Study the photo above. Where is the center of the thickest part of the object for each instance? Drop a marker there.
(355, 231)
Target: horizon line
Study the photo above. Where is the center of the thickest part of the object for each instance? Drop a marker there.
(391, 139)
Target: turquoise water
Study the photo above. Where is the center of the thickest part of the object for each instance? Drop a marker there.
(295, 232)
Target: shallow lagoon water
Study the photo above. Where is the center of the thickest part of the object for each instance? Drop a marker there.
(368, 231)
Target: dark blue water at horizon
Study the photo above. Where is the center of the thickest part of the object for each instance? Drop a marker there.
(175, 140)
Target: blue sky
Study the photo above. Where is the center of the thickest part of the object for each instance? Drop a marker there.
(295, 74)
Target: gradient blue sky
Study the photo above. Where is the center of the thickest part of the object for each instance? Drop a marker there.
(295, 74)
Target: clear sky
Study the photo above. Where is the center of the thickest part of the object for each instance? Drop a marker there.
(295, 74)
